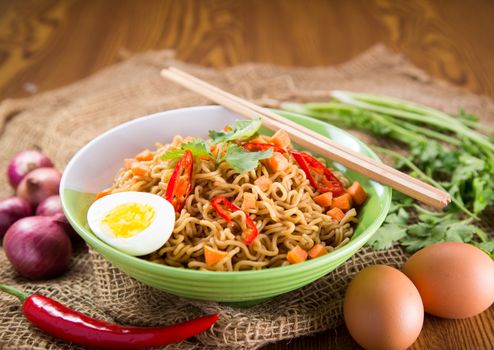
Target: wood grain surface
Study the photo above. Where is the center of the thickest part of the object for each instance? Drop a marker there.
(45, 44)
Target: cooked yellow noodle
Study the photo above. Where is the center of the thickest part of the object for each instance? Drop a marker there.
(285, 214)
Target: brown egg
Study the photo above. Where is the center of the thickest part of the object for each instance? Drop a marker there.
(383, 309)
(455, 280)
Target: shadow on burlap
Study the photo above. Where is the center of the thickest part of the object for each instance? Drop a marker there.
(62, 121)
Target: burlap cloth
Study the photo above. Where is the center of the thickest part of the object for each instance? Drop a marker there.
(62, 121)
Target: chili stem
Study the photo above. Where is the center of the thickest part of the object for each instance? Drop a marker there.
(15, 292)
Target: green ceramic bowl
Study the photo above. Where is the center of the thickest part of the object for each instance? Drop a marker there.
(94, 166)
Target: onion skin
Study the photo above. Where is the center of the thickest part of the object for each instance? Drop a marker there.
(25, 162)
(37, 247)
(69, 230)
(52, 206)
(39, 184)
(11, 210)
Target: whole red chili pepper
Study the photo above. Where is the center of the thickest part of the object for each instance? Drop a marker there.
(219, 201)
(258, 146)
(327, 183)
(180, 184)
(64, 323)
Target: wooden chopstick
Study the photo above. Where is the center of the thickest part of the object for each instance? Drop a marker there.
(311, 140)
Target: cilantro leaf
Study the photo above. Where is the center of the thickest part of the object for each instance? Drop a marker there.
(460, 232)
(432, 227)
(412, 244)
(241, 129)
(242, 160)
(464, 116)
(482, 235)
(483, 192)
(393, 229)
(198, 148)
(423, 234)
(386, 236)
(399, 218)
(487, 247)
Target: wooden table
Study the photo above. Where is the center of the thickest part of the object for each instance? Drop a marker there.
(45, 44)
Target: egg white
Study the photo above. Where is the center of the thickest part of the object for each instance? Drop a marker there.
(144, 242)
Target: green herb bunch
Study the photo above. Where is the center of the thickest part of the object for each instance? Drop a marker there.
(229, 151)
(446, 151)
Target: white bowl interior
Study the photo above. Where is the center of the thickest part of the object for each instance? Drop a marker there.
(94, 167)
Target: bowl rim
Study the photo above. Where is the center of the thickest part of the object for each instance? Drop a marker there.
(142, 264)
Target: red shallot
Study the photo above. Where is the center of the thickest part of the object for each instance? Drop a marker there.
(39, 184)
(38, 247)
(25, 162)
(11, 210)
(52, 206)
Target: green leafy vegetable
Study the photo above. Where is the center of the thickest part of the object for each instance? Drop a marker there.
(242, 160)
(430, 228)
(446, 151)
(241, 129)
(198, 148)
(488, 247)
(388, 235)
(239, 159)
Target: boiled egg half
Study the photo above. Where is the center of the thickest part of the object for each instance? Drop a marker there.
(136, 223)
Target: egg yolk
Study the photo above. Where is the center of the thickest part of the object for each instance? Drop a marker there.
(127, 220)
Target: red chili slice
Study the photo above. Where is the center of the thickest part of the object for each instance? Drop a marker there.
(224, 208)
(258, 146)
(180, 184)
(326, 181)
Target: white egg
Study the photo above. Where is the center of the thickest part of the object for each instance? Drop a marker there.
(137, 223)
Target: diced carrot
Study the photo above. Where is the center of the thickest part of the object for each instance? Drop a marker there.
(128, 163)
(281, 139)
(336, 214)
(216, 148)
(103, 193)
(249, 201)
(357, 192)
(344, 202)
(296, 255)
(325, 199)
(259, 139)
(317, 250)
(139, 169)
(212, 256)
(145, 155)
(263, 182)
(277, 162)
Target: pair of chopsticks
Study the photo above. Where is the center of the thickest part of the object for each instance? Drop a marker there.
(313, 141)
